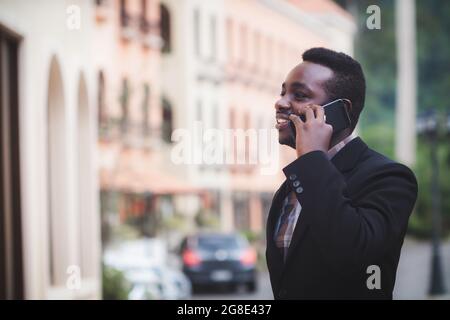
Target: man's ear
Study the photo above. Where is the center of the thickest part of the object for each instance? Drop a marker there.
(348, 105)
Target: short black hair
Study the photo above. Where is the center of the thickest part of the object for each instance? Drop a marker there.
(348, 81)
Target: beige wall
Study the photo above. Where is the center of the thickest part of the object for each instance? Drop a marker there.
(46, 38)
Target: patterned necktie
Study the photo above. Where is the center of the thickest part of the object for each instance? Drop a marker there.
(283, 237)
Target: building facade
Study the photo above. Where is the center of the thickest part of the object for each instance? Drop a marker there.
(231, 57)
(139, 186)
(93, 97)
(50, 226)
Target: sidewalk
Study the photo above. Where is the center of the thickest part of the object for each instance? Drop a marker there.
(413, 273)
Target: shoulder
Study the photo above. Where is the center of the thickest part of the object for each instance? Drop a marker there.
(373, 163)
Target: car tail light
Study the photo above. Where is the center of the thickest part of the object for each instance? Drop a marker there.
(248, 258)
(191, 258)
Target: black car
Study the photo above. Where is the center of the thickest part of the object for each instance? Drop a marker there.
(210, 259)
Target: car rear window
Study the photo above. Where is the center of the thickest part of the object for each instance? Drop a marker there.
(219, 242)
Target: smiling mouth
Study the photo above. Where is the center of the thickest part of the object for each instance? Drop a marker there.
(281, 123)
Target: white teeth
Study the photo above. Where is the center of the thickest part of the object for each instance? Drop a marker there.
(281, 120)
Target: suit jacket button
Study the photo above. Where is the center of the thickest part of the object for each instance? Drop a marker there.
(282, 293)
(299, 190)
(296, 183)
(292, 177)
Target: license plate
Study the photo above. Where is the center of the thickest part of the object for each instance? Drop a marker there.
(221, 275)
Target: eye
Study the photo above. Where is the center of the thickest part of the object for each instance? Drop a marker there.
(300, 96)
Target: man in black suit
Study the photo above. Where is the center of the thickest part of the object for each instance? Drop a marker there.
(336, 225)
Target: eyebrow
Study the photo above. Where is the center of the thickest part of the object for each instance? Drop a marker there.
(297, 85)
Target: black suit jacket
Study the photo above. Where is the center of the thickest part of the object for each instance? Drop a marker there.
(355, 211)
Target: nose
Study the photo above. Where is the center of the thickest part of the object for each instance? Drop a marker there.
(282, 105)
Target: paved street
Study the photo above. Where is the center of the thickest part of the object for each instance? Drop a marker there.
(264, 292)
(413, 273)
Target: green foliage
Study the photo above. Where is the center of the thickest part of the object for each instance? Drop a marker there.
(379, 64)
(252, 236)
(175, 222)
(124, 232)
(433, 53)
(420, 222)
(115, 285)
(207, 220)
(380, 137)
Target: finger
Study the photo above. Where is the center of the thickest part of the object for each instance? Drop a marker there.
(320, 112)
(296, 120)
(300, 111)
(309, 114)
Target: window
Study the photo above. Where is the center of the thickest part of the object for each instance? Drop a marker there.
(125, 18)
(124, 103)
(101, 10)
(144, 25)
(247, 138)
(146, 110)
(165, 29)
(167, 125)
(102, 116)
(233, 146)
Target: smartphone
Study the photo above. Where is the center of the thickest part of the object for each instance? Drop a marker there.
(335, 114)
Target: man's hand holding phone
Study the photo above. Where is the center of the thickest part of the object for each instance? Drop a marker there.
(313, 134)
